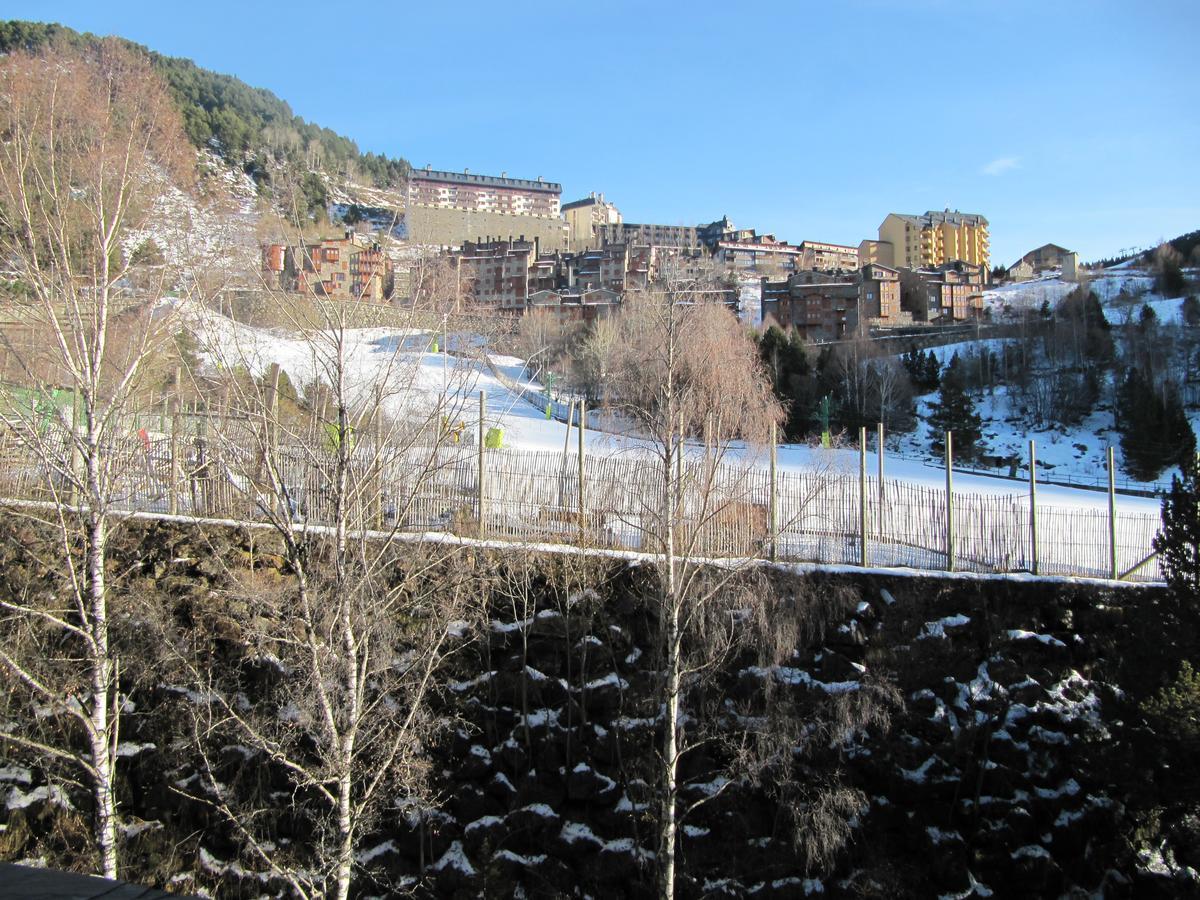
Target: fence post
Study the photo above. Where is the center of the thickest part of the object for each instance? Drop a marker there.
(482, 493)
(879, 521)
(377, 465)
(1033, 542)
(173, 488)
(862, 496)
(207, 486)
(1112, 514)
(773, 503)
(949, 501)
(582, 496)
(879, 447)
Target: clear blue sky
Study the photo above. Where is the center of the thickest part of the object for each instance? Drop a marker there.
(1067, 122)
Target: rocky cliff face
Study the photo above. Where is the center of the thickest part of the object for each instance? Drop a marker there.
(1016, 761)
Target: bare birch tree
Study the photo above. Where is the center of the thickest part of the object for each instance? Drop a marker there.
(685, 370)
(90, 138)
(366, 619)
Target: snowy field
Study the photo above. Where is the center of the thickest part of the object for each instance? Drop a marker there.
(405, 360)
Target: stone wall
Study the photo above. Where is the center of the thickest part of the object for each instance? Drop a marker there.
(1016, 762)
(450, 227)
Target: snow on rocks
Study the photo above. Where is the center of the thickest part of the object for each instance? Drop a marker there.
(937, 629)
(454, 866)
(799, 678)
(1017, 634)
(50, 794)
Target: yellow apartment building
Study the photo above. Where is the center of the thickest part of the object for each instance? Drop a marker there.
(915, 242)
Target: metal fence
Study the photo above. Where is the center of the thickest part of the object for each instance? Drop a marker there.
(718, 509)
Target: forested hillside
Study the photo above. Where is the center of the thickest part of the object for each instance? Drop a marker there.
(250, 127)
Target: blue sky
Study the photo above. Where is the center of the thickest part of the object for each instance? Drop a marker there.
(1067, 122)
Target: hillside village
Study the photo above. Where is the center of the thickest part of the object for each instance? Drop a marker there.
(510, 247)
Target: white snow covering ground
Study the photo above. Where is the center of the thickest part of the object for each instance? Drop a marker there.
(418, 380)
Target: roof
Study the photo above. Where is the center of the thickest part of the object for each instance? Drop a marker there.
(931, 217)
(1038, 252)
(586, 201)
(523, 184)
(826, 245)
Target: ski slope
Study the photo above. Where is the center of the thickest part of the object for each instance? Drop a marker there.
(420, 380)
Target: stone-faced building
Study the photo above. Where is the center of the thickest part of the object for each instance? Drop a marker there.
(879, 297)
(951, 292)
(818, 305)
(348, 268)
(497, 273)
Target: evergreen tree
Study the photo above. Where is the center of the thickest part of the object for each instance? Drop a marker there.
(1155, 432)
(1191, 311)
(923, 370)
(1178, 543)
(1080, 315)
(1147, 319)
(786, 362)
(955, 411)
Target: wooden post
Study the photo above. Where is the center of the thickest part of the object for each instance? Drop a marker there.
(273, 412)
(879, 447)
(1112, 514)
(949, 501)
(879, 521)
(377, 463)
(173, 487)
(208, 485)
(773, 504)
(582, 498)
(1033, 540)
(482, 494)
(570, 419)
(862, 496)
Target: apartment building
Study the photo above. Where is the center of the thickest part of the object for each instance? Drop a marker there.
(827, 257)
(879, 297)
(484, 193)
(607, 268)
(444, 209)
(746, 251)
(352, 267)
(498, 273)
(943, 294)
(686, 237)
(819, 306)
(584, 217)
(934, 238)
(873, 251)
(828, 306)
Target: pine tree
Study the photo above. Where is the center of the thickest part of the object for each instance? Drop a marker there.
(1178, 543)
(955, 411)
(786, 362)
(1155, 432)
